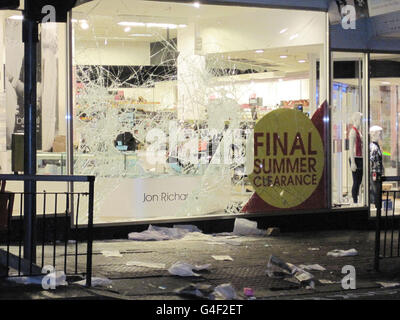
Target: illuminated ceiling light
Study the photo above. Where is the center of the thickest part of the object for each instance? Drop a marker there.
(182, 26)
(131, 24)
(283, 56)
(161, 25)
(280, 80)
(105, 42)
(74, 20)
(140, 35)
(127, 29)
(283, 30)
(16, 17)
(302, 61)
(196, 4)
(84, 25)
(293, 36)
(259, 51)
(385, 83)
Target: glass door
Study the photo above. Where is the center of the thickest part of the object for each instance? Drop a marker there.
(349, 130)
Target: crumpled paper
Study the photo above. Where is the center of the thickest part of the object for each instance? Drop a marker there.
(184, 269)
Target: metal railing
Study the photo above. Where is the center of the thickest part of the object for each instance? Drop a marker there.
(56, 237)
(387, 236)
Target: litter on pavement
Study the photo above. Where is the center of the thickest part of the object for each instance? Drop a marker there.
(146, 264)
(225, 292)
(197, 290)
(59, 278)
(244, 227)
(342, 253)
(277, 268)
(111, 253)
(184, 269)
(272, 232)
(389, 284)
(222, 258)
(248, 292)
(313, 249)
(154, 233)
(311, 267)
(96, 282)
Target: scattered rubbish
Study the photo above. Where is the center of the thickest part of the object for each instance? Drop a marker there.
(162, 287)
(313, 249)
(248, 292)
(154, 233)
(225, 292)
(267, 245)
(244, 227)
(389, 284)
(146, 264)
(342, 253)
(60, 279)
(96, 282)
(197, 290)
(315, 267)
(111, 253)
(277, 268)
(273, 232)
(311, 285)
(324, 281)
(186, 270)
(223, 258)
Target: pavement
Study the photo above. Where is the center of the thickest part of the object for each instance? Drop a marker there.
(247, 269)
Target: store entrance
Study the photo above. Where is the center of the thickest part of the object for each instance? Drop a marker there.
(384, 110)
(349, 130)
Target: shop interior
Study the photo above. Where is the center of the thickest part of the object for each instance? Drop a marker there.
(141, 66)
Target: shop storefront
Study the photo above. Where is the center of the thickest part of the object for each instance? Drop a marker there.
(189, 110)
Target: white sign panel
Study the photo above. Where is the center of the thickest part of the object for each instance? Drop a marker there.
(145, 198)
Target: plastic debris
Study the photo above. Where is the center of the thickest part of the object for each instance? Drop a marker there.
(111, 253)
(225, 292)
(244, 227)
(267, 245)
(277, 268)
(60, 279)
(162, 287)
(324, 281)
(154, 233)
(342, 253)
(389, 284)
(186, 270)
(272, 232)
(313, 249)
(96, 282)
(315, 267)
(146, 264)
(248, 292)
(223, 258)
(197, 290)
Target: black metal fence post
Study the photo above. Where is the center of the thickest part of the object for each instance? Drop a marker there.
(378, 205)
(90, 234)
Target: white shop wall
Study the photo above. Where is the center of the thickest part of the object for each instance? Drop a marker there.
(240, 33)
(114, 53)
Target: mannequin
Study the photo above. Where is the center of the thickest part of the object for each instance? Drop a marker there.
(375, 158)
(356, 159)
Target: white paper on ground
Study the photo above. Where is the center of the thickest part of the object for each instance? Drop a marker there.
(316, 267)
(342, 253)
(154, 233)
(184, 269)
(222, 258)
(111, 253)
(244, 227)
(96, 282)
(146, 264)
(225, 292)
(389, 284)
(60, 279)
(324, 281)
(313, 249)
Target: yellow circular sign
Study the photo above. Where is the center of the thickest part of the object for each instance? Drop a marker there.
(288, 158)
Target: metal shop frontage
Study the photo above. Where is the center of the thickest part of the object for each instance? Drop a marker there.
(212, 110)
